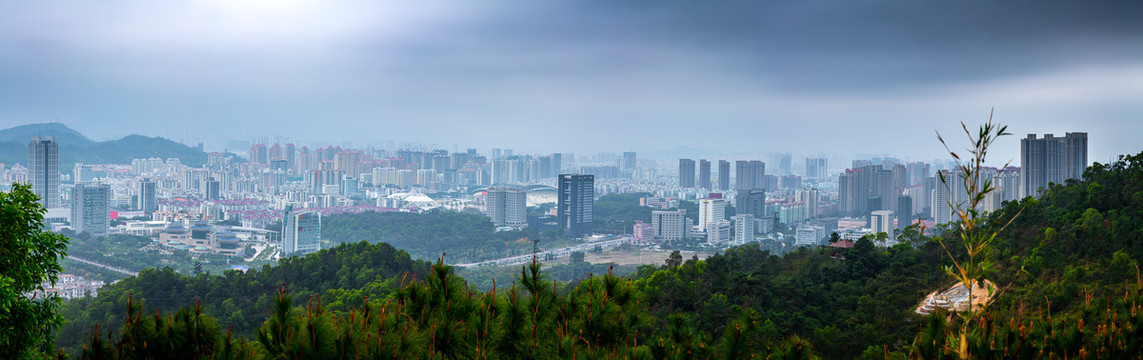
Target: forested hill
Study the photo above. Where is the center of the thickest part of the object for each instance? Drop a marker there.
(1071, 254)
(465, 236)
(76, 148)
(343, 276)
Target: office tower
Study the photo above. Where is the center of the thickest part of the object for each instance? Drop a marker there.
(146, 200)
(576, 197)
(496, 153)
(882, 222)
(718, 232)
(669, 224)
(1051, 160)
(807, 235)
(80, 174)
(301, 232)
(816, 168)
(711, 210)
(213, 189)
(349, 186)
(44, 170)
(904, 211)
(1008, 184)
(507, 206)
(704, 174)
(629, 160)
(723, 175)
(686, 173)
(90, 212)
(751, 202)
(743, 228)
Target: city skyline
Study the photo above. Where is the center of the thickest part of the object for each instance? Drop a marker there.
(872, 78)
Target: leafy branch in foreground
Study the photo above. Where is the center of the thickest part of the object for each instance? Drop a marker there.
(976, 234)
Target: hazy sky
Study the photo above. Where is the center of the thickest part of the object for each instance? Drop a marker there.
(539, 76)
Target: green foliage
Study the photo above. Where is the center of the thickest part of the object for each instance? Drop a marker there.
(28, 257)
(349, 273)
(617, 213)
(832, 303)
(185, 334)
(465, 237)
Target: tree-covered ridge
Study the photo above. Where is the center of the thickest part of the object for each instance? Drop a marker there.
(343, 275)
(76, 148)
(465, 236)
(833, 303)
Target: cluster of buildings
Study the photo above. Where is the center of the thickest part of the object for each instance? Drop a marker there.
(296, 185)
(68, 286)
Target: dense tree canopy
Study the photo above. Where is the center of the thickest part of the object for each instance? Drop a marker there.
(28, 257)
(1067, 268)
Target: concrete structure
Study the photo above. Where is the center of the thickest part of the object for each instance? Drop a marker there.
(575, 200)
(1008, 184)
(867, 189)
(704, 174)
(686, 173)
(810, 197)
(723, 175)
(750, 175)
(711, 210)
(629, 160)
(816, 168)
(146, 200)
(669, 224)
(507, 206)
(905, 216)
(718, 232)
(882, 222)
(809, 235)
(90, 212)
(751, 202)
(44, 170)
(743, 228)
(301, 232)
(1051, 160)
(643, 233)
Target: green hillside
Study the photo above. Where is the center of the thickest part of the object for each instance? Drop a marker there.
(76, 148)
(1067, 269)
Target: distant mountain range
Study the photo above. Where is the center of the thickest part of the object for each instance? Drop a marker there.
(77, 148)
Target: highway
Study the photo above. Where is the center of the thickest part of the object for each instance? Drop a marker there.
(105, 266)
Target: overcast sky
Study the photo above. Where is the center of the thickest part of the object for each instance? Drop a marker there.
(835, 77)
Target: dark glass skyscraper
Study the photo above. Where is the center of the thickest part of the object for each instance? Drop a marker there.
(44, 169)
(574, 207)
(686, 173)
(750, 175)
(704, 174)
(723, 175)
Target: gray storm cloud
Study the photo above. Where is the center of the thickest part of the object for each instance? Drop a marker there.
(799, 76)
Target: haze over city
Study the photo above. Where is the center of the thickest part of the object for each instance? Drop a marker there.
(729, 78)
